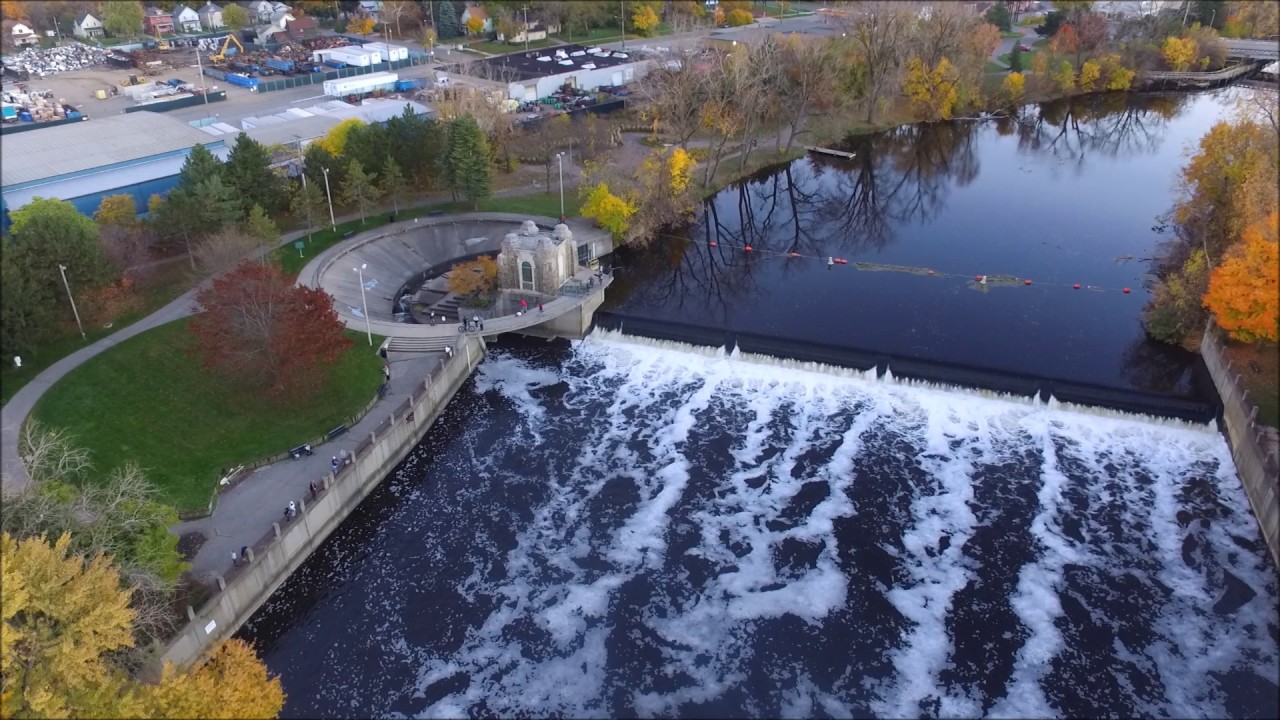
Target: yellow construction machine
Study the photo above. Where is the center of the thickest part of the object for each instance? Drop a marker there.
(226, 46)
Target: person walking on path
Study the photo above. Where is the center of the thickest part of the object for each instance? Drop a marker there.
(539, 308)
(448, 350)
(293, 509)
(524, 305)
(234, 560)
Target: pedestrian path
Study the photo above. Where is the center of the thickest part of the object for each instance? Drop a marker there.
(245, 512)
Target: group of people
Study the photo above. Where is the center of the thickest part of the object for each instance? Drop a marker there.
(243, 557)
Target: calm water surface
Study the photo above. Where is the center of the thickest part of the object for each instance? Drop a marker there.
(1071, 193)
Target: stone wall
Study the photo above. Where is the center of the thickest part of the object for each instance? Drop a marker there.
(274, 557)
(1252, 445)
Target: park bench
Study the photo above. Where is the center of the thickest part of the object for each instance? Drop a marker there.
(298, 452)
(335, 431)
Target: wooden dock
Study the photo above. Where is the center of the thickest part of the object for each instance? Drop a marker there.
(829, 151)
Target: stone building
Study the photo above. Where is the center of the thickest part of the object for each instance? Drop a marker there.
(533, 260)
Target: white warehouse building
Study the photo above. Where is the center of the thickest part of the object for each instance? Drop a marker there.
(539, 73)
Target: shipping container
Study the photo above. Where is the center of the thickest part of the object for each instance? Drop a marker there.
(407, 85)
(242, 80)
(358, 57)
(387, 53)
(281, 65)
(361, 84)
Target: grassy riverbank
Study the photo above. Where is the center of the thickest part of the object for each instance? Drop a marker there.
(148, 401)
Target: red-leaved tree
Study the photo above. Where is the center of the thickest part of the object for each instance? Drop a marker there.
(260, 328)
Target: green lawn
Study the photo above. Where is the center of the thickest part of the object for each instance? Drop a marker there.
(547, 204)
(169, 284)
(609, 35)
(1010, 35)
(994, 67)
(148, 401)
(493, 47)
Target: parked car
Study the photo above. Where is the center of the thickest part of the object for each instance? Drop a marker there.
(1024, 48)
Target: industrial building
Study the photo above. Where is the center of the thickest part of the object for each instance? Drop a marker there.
(137, 154)
(539, 73)
(303, 125)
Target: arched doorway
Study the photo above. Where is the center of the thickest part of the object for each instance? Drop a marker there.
(526, 276)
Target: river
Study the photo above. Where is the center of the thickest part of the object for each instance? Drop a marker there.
(629, 527)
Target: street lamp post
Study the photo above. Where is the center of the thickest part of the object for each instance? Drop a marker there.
(622, 18)
(63, 269)
(560, 163)
(332, 222)
(363, 303)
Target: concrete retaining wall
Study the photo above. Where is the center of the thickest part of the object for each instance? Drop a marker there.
(1255, 457)
(274, 557)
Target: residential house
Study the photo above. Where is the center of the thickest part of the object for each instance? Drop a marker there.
(531, 30)
(371, 8)
(260, 11)
(299, 27)
(477, 11)
(210, 17)
(87, 26)
(185, 19)
(20, 33)
(157, 22)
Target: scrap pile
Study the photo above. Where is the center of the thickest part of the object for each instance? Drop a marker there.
(57, 59)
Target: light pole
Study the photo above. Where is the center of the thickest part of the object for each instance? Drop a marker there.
(526, 27)
(360, 273)
(560, 163)
(63, 269)
(622, 17)
(332, 222)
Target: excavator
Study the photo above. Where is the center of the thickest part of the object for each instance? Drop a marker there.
(226, 47)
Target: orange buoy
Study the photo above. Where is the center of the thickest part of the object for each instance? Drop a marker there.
(1026, 282)
(930, 272)
(713, 244)
(1076, 286)
(795, 254)
(978, 277)
(842, 261)
(1126, 291)
(747, 248)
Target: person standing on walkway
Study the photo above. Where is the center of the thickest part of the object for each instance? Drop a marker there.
(448, 350)
(386, 371)
(539, 308)
(244, 553)
(234, 560)
(333, 464)
(524, 305)
(293, 509)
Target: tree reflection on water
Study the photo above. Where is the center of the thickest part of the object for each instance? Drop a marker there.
(823, 205)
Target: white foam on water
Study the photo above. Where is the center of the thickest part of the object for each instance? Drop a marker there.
(651, 398)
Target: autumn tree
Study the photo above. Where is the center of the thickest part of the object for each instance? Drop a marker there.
(234, 17)
(66, 619)
(122, 19)
(645, 20)
(807, 85)
(475, 25)
(360, 188)
(1090, 71)
(932, 92)
(123, 239)
(120, 210)
(335, 141)
(262, 329)
(1175, 313)
(1064, 76)
(875, 35)
(610, 211)
(1244, 291)
(1179, 53)
(1014, 86)
(362, 25)
(474, 277)
(738, 18)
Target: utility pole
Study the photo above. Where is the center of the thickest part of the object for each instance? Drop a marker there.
(526, 27)
(203, 90)
(622, 17)
(63, 269)
(332, 222)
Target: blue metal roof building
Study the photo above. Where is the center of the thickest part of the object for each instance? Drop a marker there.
(138, 154)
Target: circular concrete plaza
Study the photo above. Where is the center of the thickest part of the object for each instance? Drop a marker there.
(395, 258)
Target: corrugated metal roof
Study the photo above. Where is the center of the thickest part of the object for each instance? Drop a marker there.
(77, 147)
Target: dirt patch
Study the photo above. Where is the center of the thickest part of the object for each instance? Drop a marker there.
(189, 544)
(1259, 367)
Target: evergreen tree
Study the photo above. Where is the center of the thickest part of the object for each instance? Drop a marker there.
(199, 166)
(260, 227)
(308, 203)
(214, 206)
(248, 170)
(446, 20)
(467, 167)
(359, 189)
(315, 160)
(393, 184)
(1015, 58)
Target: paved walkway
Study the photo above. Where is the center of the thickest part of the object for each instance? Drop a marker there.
(245, 512)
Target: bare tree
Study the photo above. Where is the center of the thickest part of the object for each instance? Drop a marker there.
(807, 86)
(673, 93)
(222, 250)
(878, 32)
